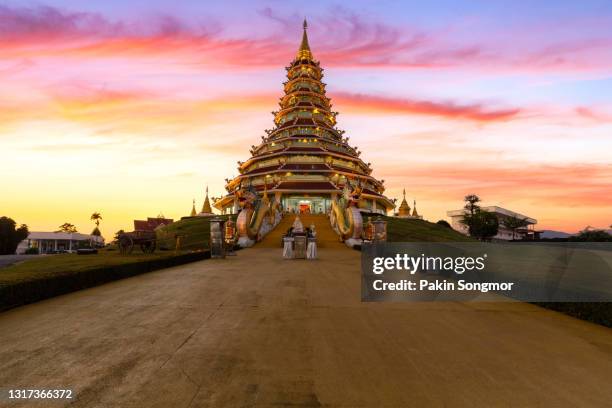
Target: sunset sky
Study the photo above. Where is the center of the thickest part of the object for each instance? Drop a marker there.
(132, 109)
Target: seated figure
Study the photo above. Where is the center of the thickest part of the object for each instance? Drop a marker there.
(297, 225)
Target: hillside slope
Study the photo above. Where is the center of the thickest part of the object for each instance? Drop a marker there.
(407, 230)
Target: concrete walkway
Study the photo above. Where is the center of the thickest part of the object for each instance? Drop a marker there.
(6, 260)
(254, 330)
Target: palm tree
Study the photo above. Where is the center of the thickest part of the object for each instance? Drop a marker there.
(96, 217)
(513, 223)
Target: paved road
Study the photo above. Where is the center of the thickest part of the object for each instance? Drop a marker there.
(6, 260)
(258, 331)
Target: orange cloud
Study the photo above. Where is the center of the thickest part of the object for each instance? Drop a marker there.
(572, 185)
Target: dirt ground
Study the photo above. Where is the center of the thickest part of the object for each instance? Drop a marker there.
(256, 330)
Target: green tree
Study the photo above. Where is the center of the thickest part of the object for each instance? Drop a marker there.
(118, 234)
(471, 208)
(481, 224)
(67, 227)
(513, 223)
(592, 235)
(484, 225)
(471, 203)
(10, 235)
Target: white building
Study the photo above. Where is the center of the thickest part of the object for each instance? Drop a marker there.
(50, 242)
(504, 233)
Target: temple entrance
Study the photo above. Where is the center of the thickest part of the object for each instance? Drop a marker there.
(306, 204)
(304, 207)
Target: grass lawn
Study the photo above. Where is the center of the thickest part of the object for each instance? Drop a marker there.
(43, 276)
(65, 264)
(407, 230)
(194, 232)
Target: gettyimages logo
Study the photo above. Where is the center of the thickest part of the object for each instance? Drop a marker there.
(422, 263)
(470, 271)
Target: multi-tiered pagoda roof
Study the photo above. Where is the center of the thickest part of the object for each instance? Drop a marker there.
(305, 153)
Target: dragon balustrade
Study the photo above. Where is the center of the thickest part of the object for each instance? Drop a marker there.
(345, 216)
(257, 217)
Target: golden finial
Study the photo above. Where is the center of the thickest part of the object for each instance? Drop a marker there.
(304, 51)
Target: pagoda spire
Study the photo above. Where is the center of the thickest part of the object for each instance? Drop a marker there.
(304, 51)
(193, 211)
(206, 209)
(404, 208)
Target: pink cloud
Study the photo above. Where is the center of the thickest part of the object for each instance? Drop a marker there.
(341, 38)
(593, 114)
(449, 110)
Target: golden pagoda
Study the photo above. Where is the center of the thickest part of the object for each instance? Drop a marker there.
(304, 162)
(404, 208)
(206, 209)
(193, 210)
(415, 214)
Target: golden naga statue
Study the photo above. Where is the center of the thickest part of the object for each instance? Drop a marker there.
(257, 215)
(345, 215)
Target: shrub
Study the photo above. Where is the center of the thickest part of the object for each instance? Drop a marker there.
(31, 251)
(589, 235)
(596, 312)
(32, 288)
(444, 224)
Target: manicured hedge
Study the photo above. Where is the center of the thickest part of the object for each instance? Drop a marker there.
(13, 294)
(596, 312)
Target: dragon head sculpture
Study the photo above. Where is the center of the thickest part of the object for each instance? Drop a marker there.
(247, 196)
(352, 193)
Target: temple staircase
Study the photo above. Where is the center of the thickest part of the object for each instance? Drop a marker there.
(326, 236)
